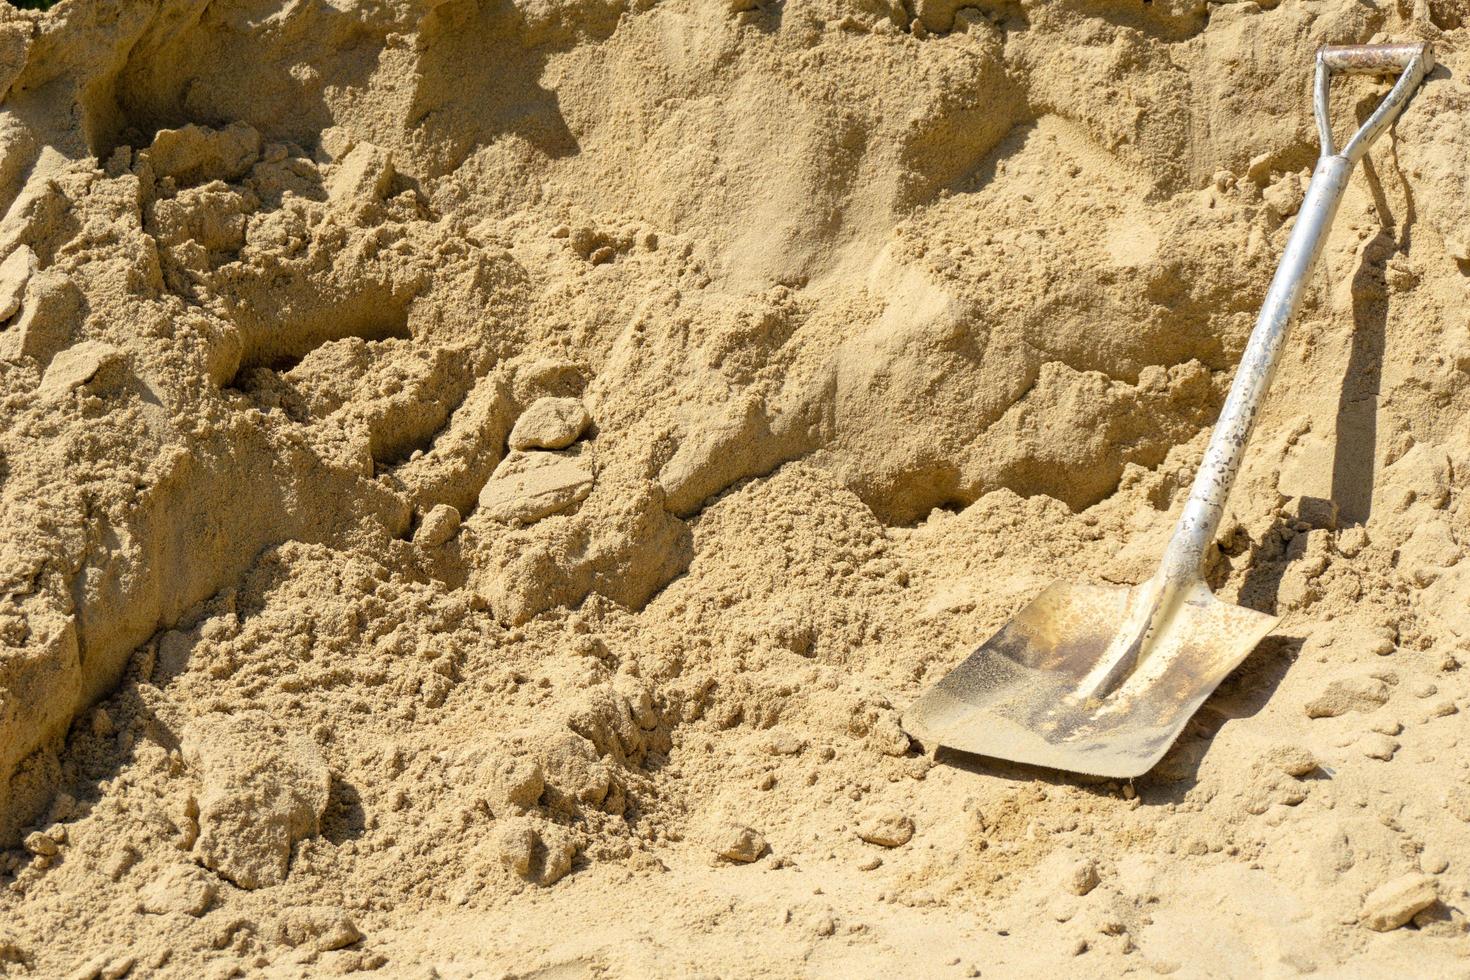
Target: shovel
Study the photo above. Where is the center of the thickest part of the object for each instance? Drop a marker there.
(1100, 679)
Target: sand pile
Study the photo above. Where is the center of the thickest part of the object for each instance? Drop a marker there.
(481, 481)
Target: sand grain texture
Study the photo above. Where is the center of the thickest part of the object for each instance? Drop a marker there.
(480, 482)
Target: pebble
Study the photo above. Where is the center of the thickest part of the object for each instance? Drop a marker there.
(886, 828)
(512, 783)
(1443, 709)
(1433, 861)
(739, 843)
(15, 271)
(1387, 726)
(77, 365)
(438, 526)
(526, 487)
(1293, 760)
(1259, 169)
(1082, 877)
(1394, 903)
(181, 888)
(1348, 694)
(41, 844)
(784, 745)
(515, 844)
(1378, 746)
(550, 423)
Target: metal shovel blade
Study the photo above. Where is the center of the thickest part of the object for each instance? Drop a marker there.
(1017, 696)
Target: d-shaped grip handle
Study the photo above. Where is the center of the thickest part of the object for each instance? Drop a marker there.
(1411, 61)
(1373, 59)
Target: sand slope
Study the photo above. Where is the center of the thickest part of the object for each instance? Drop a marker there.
(480, 481)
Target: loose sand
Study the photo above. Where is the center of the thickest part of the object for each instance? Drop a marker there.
(481, 481)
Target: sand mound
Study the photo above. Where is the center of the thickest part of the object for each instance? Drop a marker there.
(482, 479)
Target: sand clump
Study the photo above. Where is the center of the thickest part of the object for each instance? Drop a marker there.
(466, 467)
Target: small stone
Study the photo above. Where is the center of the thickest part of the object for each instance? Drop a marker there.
(118, 968)
(1079, 947)
(1293, 760)
(1259, 169)
(886, 828)
(1424, 689)
(90, 969)
(871, 864)
(541, 853)
(41, 844)
(1382, 647)
(515, 844)
(784, 745)
(439, 525)
(571, 764)
(529, 486)
(1387, 726)
(739, 843)
(558, 851)
(1284, 197)
(1348, 694)
(823, 925)
(1433, 861)
(1394, 903)
(1082, 877)
(1443, 708)
(1377, 746)
(1351, 542)
(512, 782)
(365, 173)
(320, 928)
(181, 888)
(77, 365)
(1312, 512)
(550, 423)
(15, 272)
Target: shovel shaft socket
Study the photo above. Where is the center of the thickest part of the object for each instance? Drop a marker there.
(1201, 518)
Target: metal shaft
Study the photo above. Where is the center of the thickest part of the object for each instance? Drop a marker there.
(1201, 518)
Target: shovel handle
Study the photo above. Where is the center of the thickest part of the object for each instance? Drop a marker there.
(1372, 59)
(1201, 518)
(1411, 61)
